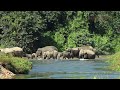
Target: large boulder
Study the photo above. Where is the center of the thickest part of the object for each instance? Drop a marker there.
(5, 74)
(15, 51)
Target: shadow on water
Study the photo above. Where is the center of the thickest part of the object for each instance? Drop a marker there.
(69, 69)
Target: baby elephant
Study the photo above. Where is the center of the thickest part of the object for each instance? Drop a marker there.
(66, 55)
(29, 56)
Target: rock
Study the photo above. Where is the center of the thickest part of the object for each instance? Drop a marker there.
(5, 74)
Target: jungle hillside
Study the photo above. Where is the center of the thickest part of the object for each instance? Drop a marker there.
(31, 30)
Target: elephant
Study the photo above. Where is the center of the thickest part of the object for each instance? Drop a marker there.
(17, 51)
(29, 56)
(55, 54)
(74, 52)
(87, 54)
(60, 55)
(87, 47)
(81, 53)
(48, 48)
(40, 51)
(66, 55)
(50, 54)
(17, 54)
(45, 55)
(34, 55)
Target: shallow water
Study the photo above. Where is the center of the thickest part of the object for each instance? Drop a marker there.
(70, 69)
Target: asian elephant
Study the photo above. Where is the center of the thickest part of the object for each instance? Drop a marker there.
(87, 54)
(29, 56)
(44, 56)
(87, 47)
(66, 55)
(34, 55)
(60, 55)
(40, 51)
(74, 51)
(55, 54)
(50, 54)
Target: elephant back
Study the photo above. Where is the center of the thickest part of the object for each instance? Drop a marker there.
(49, 48)
(87, 47)
(89, 52)
(60, 54)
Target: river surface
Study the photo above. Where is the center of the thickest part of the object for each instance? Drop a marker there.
(70, 69)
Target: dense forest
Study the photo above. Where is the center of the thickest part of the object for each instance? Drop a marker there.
(63, 29)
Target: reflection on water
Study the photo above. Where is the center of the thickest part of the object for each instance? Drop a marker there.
(69, 69)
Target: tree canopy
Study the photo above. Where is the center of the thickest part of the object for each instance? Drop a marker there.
(63, 29)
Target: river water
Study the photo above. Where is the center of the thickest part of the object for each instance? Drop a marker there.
(70, 69)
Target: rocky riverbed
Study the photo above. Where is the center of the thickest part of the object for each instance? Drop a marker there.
(5, 74)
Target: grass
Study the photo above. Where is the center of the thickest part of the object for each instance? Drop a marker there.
(114, 61)
(15, 64)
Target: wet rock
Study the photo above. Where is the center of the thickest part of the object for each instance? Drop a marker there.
(5, 74)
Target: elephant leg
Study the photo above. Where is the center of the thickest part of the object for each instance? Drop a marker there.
(97, 55)
(58, 57)
(85, 56)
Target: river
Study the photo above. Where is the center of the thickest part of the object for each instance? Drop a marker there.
(70, 69)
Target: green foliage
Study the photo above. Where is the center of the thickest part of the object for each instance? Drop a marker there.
(15, 64)
(19, 28)
(63, 29)
(59, 38)
(114, 61)
(101, 44)
(76, 39)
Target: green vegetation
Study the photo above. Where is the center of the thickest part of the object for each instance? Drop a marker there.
(15, 64)
(114, 61)
(63, 29)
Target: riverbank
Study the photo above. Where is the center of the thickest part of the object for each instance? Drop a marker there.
(114, 61)
(14, 64)
(69, 69)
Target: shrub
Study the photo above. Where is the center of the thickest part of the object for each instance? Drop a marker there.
(114, 61)
(15, 64)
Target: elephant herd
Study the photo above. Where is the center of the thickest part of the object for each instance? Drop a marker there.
(51, 52)
(48, 52)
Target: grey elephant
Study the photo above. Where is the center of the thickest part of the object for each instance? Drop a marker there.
(74, 51)
(66, 55)
(34, 55)
(40, 51)
(29, 56)
(50, 54)
(60, 55)
(87, 54)
(55, 54)
(88, 47)
(44, 56)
